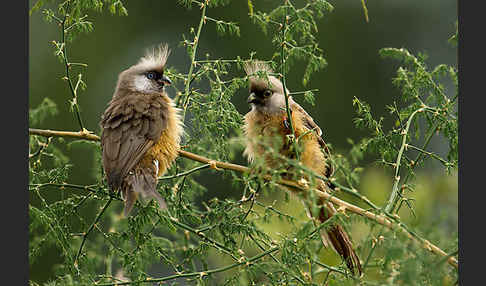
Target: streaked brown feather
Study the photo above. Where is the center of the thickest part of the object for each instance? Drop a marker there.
(338, 237)
(125, 142)
(308, 122)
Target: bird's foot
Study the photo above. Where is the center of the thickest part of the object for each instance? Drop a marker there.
(85, 132)
(303, 182)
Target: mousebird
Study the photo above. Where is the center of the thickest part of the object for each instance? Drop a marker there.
(141, 130)
(267, 120)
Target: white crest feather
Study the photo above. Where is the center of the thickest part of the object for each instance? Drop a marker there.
(251, 68)
(256, 66)
(156, 57)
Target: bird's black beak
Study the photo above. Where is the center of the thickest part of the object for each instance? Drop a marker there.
(252, 98)
(164, 80)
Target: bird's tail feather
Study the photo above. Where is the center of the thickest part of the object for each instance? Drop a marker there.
(142, 181)
(336, 236)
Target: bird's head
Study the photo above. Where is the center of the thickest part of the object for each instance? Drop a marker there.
(147, 76)
(266, 94)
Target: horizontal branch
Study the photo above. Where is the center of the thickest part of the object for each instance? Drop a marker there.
(379, 218)
(92, 137)
(50, 133)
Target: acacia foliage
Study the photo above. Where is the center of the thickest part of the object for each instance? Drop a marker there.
(228, 241)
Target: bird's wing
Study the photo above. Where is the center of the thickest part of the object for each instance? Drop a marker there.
(131, 126)
(311, 125)
(335, 234)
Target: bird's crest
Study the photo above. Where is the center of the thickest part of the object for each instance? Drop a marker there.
(259, 81)
(155, 58)
(256, 66)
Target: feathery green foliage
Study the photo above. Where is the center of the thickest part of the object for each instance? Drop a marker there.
(263, 238)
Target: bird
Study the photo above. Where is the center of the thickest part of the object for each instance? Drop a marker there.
(267, 127)
(141, 130)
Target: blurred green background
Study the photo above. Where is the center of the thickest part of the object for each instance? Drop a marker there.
(354, 68)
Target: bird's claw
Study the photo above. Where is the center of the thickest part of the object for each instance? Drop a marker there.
(286, 123)
(85, 132)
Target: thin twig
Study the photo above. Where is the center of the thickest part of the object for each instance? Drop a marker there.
(286, 96)
(276, 260)
(199, 168)
(62, 186)
(193, 59)
(394, 194)
(208, 240)
(42, 146)
(85, 236)
(367, 260)
(420, 156)
(195, 274)
(333, 269)
(365, 10)
(67, 64)
(444, 162)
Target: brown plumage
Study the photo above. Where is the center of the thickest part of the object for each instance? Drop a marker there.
(267, 125)
(141, 130)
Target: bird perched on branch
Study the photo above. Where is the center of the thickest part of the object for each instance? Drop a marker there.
(268, 128)
(141, 129)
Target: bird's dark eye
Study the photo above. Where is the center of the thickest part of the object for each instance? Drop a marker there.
(153, 75)
(267, 93)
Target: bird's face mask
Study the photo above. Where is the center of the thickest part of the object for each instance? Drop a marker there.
(157, 80)
(151, 82)
(259, 97)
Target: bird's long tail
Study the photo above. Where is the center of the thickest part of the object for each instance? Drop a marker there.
(143, 180)
(337, 236)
